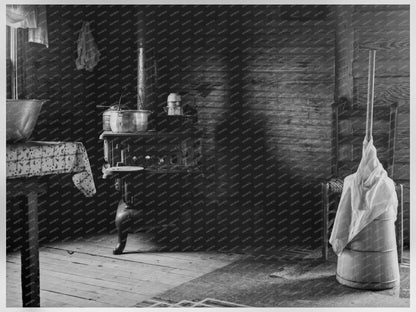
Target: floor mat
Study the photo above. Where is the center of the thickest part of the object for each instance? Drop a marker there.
(207, 303)
(295, 280)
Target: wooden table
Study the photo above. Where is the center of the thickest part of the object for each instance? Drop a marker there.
(25, 163)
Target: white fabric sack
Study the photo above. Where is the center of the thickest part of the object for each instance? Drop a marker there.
(366, 194)
(88, 54)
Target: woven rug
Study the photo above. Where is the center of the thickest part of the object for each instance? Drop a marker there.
(294, 278)
(207, 303)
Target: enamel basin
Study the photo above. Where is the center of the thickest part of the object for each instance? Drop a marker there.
(21, 118)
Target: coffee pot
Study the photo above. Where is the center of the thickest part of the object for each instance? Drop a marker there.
(174, 107)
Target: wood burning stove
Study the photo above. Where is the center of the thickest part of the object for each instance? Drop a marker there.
(129, 156)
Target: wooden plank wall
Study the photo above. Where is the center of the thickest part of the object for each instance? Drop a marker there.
(262, 79)
(71, 113)
(386, 29)
(263, 85)
(288, 89)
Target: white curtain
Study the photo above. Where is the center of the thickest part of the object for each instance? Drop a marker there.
(32, 17)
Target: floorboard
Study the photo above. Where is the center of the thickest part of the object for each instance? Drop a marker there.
(85, 273)
(186, 261)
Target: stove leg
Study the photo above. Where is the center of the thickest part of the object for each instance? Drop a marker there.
(122, 224)
(127, 217)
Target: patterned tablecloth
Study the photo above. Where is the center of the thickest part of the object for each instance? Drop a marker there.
(31, 159)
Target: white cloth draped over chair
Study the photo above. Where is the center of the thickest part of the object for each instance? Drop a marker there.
(366, 194)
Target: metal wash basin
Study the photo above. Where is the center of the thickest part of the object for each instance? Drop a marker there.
(21, 118)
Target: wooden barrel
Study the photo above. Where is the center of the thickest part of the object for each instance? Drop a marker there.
(370, 260)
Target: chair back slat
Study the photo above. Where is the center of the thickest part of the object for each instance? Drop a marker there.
(392, 139)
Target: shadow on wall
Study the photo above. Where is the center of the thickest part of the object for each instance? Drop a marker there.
(246, 173)
(260, 202)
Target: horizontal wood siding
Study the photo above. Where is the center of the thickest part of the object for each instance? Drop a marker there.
(288, 88)
(263, 84)
(385, 28)
(263, 87)
(70, 114)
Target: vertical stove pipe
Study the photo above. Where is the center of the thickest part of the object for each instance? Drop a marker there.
(141, 78)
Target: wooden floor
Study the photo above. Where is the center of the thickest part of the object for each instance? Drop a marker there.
(85, 273)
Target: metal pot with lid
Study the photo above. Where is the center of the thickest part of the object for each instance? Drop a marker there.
(129, 121)
(107, 115)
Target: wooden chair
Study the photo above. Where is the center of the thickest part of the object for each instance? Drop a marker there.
(332, 189)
